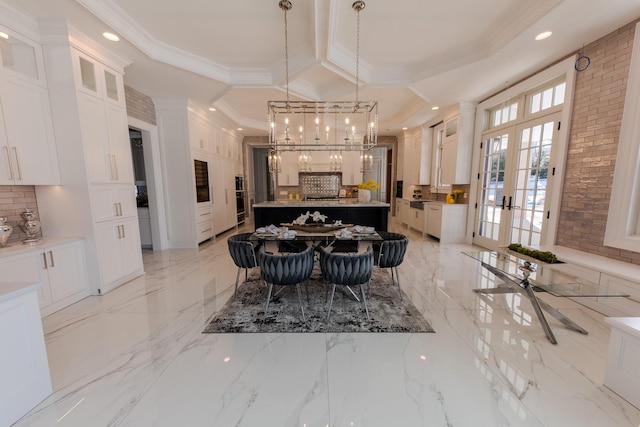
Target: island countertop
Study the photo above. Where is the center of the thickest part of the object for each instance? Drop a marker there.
(348, 210)
(346, 202)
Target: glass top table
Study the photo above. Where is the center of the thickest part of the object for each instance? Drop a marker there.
(523, 275)
(544, 277)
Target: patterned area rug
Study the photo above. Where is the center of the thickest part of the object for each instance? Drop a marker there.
(388, 313)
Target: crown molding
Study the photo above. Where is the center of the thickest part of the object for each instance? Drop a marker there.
(59, 31)
(19, 22)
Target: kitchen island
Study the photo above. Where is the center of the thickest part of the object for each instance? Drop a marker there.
(349, 211)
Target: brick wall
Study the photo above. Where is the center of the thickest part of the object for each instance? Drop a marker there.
(14, 199)
(593, 143)
(139, 105)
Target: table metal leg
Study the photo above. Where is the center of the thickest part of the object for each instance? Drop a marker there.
(561, 317)
(543, 320)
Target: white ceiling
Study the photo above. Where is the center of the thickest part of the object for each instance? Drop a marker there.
(414, 54)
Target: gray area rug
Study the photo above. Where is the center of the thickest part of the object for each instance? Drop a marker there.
(388, 313)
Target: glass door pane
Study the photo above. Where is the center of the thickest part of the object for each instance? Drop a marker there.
(491, 189)
(532, 167)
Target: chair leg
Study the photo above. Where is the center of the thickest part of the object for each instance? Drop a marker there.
(333, 292)
(364, 300)
(300, 301)
(237, 278)
(268, 299)
(398, 281)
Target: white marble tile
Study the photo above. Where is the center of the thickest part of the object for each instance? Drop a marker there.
(136, 357)
(416, 379)
(241, 380)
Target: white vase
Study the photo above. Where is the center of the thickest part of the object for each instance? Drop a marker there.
(364, 196)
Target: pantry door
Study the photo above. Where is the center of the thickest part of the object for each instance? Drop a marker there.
(513, 184)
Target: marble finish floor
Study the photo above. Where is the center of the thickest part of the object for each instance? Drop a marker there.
(136, 357)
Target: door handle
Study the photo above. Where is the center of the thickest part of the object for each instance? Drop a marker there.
(510, 205)
(124, 234)
(504, 198)
(53, 264)
(44, 258)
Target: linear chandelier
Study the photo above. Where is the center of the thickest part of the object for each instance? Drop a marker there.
(334, 126)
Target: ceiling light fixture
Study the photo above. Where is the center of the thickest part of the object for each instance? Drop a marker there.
(110, 36)
(212, 109)
(435, 107)
(543, 35)
(4, 35)
(333, 126)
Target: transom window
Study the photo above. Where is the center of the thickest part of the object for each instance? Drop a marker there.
(505, 113)
(547, 98)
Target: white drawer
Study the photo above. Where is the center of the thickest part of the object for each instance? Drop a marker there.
(203, 213)
(204, 230)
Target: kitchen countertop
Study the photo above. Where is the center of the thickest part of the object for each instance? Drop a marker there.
(351, 202)
(15, 248)
(13, 290)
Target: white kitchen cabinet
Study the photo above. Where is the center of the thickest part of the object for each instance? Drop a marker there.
(204, 223)
(28, 153)
(110, 202)
(118, 245)
(105, 133)
(225, 214)
(288, 175)
(200, 136)
(457, 147)
(415, 219)
(26, 380)
(60, 267)
(417, 157)
(402, 211)
(351, 173)
(103, 120)
(446, 222)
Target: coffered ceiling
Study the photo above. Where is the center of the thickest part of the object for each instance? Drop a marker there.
(414, 54)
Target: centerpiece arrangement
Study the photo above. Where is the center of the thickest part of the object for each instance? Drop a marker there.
(364, 190)
(314, 222)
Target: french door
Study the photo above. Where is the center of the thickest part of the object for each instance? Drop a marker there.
(512, 187)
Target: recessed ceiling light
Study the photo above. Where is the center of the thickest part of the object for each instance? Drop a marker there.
(4, 35)
(240, 129)
(212, 109)
(110, 36)
(404, 128)
(435, 107)
(544, 35)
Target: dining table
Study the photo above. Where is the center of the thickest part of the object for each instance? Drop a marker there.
(344, 237)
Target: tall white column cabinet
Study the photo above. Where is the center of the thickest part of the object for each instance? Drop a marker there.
(97, 197)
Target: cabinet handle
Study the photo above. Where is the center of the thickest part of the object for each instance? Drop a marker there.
(124, 235)
(120, 208)
(205, 214)
(15, 153)
(119, 232)
(208, 229)
(115, 166)
(111, 165)
(226, 199)
(44, 257)
(6, 151)
(53, 264)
